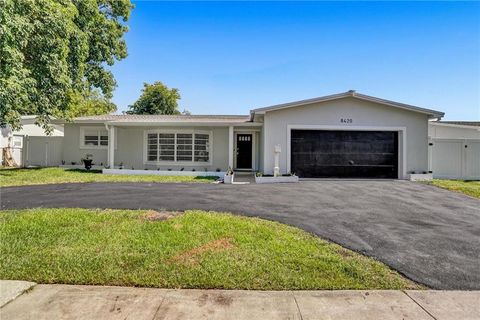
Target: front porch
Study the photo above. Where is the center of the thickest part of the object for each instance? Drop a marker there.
(194, 149)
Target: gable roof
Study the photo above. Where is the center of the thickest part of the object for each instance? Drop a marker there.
(349, 94)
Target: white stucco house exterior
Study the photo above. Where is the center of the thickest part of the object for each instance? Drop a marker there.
(349, 135)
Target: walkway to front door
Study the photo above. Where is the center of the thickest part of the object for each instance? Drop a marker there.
(244, 177)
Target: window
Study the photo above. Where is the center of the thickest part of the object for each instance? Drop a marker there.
(178, 147)
(93, 138)
(161, 147)
(17, 142)
(201, 147)
(184, 147)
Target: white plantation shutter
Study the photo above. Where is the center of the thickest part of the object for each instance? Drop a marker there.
(178, 147)
(202, 147)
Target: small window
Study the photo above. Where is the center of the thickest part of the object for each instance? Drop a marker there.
(104, 140)
(93, 138)
(17, 142)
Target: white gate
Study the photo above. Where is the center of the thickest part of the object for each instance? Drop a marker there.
(17, 150)
(455, 159)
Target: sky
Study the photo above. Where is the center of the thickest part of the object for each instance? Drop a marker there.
(231, 57)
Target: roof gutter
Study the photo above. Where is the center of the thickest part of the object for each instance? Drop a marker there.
(452, 125)
(183, 124)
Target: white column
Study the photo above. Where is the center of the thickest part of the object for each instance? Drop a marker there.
(111, 147)
(230, 147)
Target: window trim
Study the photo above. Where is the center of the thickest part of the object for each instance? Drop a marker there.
(98, 129)
(182, 131)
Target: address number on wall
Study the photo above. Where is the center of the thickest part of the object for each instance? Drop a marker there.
(346, 120)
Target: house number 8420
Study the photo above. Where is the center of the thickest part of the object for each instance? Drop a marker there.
(346, 120)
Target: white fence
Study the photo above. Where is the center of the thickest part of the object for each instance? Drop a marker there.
(455, 158)
(43, 151)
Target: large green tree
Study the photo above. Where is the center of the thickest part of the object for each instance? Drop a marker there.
(54, 51)
(156, 98)
(93, 104)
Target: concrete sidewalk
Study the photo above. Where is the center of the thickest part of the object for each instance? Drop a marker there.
(11, 289)
(95, 302)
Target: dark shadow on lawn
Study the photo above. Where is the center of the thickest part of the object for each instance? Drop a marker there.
(199, 177)
(84, 170)
(9, 171)
(215, 178)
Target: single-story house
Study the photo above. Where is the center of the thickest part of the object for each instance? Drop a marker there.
(341, 135)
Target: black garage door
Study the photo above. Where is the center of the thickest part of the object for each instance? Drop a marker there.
(344, 154)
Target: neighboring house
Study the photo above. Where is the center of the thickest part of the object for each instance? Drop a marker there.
(454, 149)
(30, 146)
(341, 135)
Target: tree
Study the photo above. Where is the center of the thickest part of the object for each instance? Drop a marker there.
(156, 98)
(54, 51)
(92, 105)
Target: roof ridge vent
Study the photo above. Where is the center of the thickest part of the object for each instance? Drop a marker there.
(351, 92)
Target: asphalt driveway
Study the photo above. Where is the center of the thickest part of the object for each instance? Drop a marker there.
(430, 235)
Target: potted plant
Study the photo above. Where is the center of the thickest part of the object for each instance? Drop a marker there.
(87, 161)
(228, 177)
(420, 175)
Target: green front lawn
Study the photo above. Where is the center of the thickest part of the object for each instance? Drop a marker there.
(196, 249)
(471, 188)
(21, 177)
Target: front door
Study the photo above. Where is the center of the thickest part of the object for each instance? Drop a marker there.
(244, 151)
